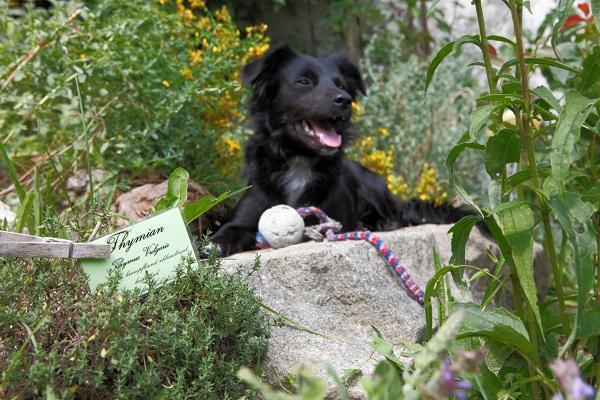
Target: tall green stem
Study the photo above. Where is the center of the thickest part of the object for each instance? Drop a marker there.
(485, 48)
(527, 137)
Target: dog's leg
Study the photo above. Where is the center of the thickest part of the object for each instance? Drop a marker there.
(340, 205)
(239, 234)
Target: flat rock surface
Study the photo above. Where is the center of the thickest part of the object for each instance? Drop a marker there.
(338, 291)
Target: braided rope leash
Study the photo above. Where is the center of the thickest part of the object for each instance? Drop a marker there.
(328, 225)
(409, 283)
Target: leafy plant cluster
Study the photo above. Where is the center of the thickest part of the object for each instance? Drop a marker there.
(543, 170)
(126, 86)
(402, 128)
(544, 182)
(185, 338)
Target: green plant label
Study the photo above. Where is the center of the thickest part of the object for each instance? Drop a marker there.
(155, 245)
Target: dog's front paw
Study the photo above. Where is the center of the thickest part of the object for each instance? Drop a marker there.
(207, 248)
(233, 240)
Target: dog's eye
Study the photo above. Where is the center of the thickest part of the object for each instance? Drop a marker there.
(304, 82)
(340, 85)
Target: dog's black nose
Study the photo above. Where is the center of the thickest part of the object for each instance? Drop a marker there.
(342, 100)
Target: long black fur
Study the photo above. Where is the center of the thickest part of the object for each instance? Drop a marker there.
(286, 167)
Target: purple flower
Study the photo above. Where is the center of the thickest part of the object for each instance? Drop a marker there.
(449, 385)
(570, 381)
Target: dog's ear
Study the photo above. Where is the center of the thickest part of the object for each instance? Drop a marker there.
(350, 72)
(252, 72)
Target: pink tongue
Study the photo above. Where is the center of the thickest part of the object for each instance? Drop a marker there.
(327, 135)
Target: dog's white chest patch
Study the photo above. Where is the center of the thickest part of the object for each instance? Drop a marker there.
(296, 179)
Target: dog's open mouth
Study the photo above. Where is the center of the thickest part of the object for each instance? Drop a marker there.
(321, 132)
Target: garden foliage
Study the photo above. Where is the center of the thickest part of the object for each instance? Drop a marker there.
(143, 85)
(401, 128)
(185, 338)
(123, 86)
(544, 183)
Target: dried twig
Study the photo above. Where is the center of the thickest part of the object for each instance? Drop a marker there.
(13, 69)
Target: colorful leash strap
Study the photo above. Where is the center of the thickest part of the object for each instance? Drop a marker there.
(409, 283)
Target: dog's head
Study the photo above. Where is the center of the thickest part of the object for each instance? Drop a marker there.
(306, 99)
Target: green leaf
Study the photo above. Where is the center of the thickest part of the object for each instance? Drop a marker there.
(537, 61)
(430, 288)
(523, 176)
(50, 393)
(592, 196)
(472, 39)
(574, 217)
(460, 232)
(479, 118)
(12, 172)
(381, 346)
(246, 375)
(311, 387)
(494, 284)
(565, 7)
(442, 53)
(589, 325)
(545, 94)
(517, 225)
(596, 12)
(196, 208)
(435, 63)
(24, 213)
(454, 184)
(503, 97)
(439, 343)
(176, 190)
(36, 219)
(431, 7)
(587, 81)
(498, 324)
(495, 191)
(501, 149)
(387, 384)
(441, 295)
(488, 383)
(498, 38)
(576, 110)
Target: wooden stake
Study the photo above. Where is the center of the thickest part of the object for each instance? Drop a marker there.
(27, 246)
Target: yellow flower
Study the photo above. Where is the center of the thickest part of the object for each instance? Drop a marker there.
(379, 162)
(256, 51)
(229, 151)
(187, 14)
(195, 56)
(428, 187)
(398, 186)
(228, 147)
(162, 2)
(366, 143)
(222, 14)
(257, 30)
(204, 22)
(166, 83)
(383, 132)
(187, 73)
(196, 3)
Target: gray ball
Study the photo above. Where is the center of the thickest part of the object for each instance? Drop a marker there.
(282, 226)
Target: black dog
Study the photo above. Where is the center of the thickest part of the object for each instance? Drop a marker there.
(301, 109)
